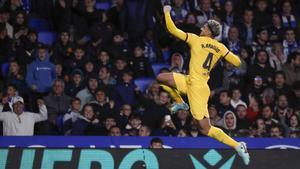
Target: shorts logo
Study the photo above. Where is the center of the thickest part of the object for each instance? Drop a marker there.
(212, 157)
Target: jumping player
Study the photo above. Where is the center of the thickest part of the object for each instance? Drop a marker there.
(205, 53)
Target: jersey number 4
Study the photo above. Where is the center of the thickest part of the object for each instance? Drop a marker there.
(207, 62)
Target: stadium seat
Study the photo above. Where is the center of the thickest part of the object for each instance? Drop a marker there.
(103, 5)
(157, 66)
(143, 82)
(47, 37)
(39, 24)
(4, 69)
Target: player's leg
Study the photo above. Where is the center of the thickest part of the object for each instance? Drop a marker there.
(198, 98)
(174, 84)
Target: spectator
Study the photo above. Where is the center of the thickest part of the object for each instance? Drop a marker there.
(276, 131)
(63, 49)
(182, 133)
(289, 42)
(139, 63)
(261, 67)
(267, 115)
(189, 24)
(57, 102)
(5, 16)
(178, 12)
(41, 72)
(277, 57)
(231, 76)
(182, 119)
(295, 97)
(152, 91)
(118, 48)
(229, 123)
(177, 63)
(233, 42)
(109, 122)
(241, 115)
(259, 128)
(229, 16)
(106, 80)
(289, 20)
(268, 96)
(123, 116)
(204, 13)
(115, 131)
(152, 48)
(224, 100)
(167, 127)
(156, 143)
(76, 83)
(236, 95)
(133, 125)
(113, 14)
(247, 28)
(253, 108)
(262, 40)
(25, 52)
(87, 94)
(292, 68)
(5, 44)
(120, 66)
(262, 15)
(20, 26)
(293, 124)
(276, 30)
(125, 91)
(144, 131)
(257, 87)
(214, 116)
(102, 106)
(280, 87)
(72, 115)
(11, 92)
(87, 123)
(104, 59)
(21, 123)
(194, 132)
(77, 61)
(89, 68)
(282, 108)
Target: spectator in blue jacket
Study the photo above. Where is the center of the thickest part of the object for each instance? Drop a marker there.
(41, 72)
(125, 90)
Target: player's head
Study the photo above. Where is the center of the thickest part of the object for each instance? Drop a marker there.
(211, 29)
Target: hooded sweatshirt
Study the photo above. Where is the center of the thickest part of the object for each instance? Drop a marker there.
(42, 74)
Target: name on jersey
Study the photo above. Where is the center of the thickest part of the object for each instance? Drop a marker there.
(208, 45)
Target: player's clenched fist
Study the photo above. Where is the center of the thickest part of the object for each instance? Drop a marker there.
(167, 8)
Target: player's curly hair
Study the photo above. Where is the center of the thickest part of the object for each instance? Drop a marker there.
(214, 27)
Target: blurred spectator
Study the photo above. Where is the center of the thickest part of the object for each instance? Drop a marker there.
(76, 83)
(231, 76)
(289, 43)
(104, 59)
(57, 101)
(6, 44)
(261, 41)
(19, 122)
(229, 123)
(280, 87)
(156, 143)
(123, 116)
(236, 96)
(293, 124)
(295, 97)
(108, 123)
(152, 92)
(89, 68)
(72, 115)
(115, 131)
(26, 51)
(241, 117)
(7, 99)
(253, 108)
(113, 14)
(247, 28)
(124, 92)
(233, 42)
(167, 127)
(259, 128)
(118, 48)
(63, 49)
(133, 125)
(289, 19)
(77, 61)
(267, 115)
(177, 63)
(276, 131)
(139, 63)
(189, 24)
(144, 131)
(87, 94)
(214, 116)
(41, 72)
(229, 15)
(21, 29)
(262, 15)
(261, 67)
(4, 20)
(292, 68)
(182, 120)
(102, 106)
(277, 57)
(256, 87)
(276, 30)
(120, 66)
(87, 123)
(224, 100)
(16, 76)
(205, 12)
(268, 96)
(194, 132)
(178, 12)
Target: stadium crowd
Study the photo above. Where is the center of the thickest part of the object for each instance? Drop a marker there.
(87, 75)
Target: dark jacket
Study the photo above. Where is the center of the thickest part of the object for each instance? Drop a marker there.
(57, 104)
(124, 94)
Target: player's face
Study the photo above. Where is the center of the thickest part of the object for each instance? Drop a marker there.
(205, 31)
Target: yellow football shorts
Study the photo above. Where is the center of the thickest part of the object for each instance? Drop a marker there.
(197, 93)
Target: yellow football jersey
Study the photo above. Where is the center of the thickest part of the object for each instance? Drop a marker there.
(205, 51)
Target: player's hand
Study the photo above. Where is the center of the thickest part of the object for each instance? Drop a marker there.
(167, 8)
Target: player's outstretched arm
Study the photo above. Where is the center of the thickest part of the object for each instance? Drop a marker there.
(233, 59)
(171, 26)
